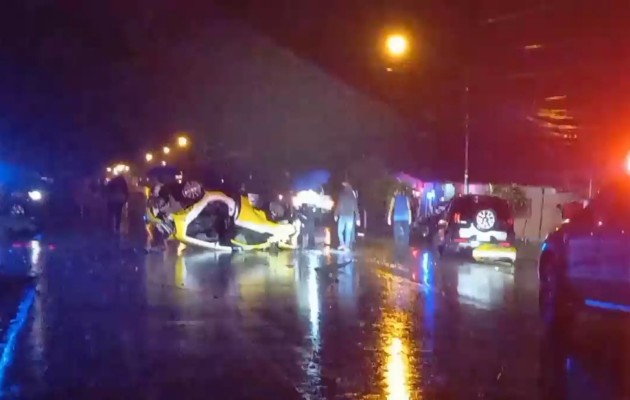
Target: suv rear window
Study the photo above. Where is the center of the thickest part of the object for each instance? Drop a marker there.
(469, 206)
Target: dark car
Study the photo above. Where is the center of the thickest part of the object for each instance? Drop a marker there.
(23, 200)
(472, 220)
(585, 263)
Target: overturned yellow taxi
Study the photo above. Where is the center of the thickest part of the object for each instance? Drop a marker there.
(216, 220)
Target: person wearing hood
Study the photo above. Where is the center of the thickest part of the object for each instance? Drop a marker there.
(347, 215)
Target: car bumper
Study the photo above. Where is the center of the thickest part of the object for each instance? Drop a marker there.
(493, 252)
(473, 244)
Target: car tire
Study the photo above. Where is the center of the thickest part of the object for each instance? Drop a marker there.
(555, 300)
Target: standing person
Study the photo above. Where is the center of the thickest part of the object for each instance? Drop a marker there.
(400, 215)
(346, 214)
(308, 214)
(117, 194)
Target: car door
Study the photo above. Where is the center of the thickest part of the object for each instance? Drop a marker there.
(612, 220)
(582, 252)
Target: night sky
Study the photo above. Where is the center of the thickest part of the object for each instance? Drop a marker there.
(79, 77)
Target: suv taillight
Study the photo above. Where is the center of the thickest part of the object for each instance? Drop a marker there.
(457, 218)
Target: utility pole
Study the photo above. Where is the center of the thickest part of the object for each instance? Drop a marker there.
(466, 135)
(472, 25)
(471, 31)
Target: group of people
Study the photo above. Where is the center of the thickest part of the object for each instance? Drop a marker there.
(346, 213)
(399, 217)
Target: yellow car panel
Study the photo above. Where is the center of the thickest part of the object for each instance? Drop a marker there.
(493, 252)
(246, 217)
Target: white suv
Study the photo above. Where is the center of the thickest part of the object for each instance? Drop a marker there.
(472, 220)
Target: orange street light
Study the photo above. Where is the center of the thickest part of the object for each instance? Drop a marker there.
(397, 45)
(166, 149)
(182, 141)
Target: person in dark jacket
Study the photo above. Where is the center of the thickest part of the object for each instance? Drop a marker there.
(308, 214)
(347, 215)
(400, 216)
(117, 194)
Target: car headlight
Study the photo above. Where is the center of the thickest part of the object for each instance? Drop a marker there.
(35, 195)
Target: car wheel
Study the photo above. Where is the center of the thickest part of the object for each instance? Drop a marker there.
(554, 297)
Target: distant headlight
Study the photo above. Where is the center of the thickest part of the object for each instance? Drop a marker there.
(35, 195)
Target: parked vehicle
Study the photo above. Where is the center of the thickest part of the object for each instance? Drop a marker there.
(470, 221)
(584, 263)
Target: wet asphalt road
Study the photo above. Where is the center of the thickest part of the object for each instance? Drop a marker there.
(90, 317)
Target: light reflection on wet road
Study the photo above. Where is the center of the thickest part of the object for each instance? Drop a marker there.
(106, 322)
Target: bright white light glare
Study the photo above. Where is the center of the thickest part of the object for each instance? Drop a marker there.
(310, 197)
(109, 169)
(163, 163)
(327, 203)
(35, 195)
(166, 149)
(431, 194)
(120, 168)
(280, 197)
(148, 157)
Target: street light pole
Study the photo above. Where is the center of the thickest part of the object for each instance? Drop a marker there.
(469, 64)
(466, 135)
